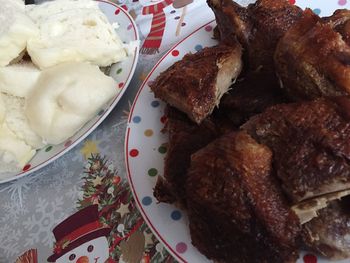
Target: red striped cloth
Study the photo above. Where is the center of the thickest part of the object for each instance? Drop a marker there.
(154, 39)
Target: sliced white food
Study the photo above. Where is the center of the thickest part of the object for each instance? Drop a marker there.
(18, 79)
(80, 35)
(2, 110)
(18, 123)
(15, 30)
(65, 97)
(14, 153)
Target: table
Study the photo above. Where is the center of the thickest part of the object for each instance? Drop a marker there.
(93, 173)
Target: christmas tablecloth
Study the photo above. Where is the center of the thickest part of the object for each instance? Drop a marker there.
(85, 192)
(89, 182)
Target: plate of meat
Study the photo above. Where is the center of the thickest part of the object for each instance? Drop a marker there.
(237, 146)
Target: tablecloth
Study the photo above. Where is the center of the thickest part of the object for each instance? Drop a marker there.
(93, 173)
(91, 178)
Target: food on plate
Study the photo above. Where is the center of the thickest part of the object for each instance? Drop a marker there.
(65, 97)
(310, 142)
(71, 31)
(15, 30)
(329, 232)
(185, 138)
(267, 172)
(237, 211)
(312, 59)
(14, 153)
(207, 76)
(18, 123)
(18, 79)
(258, 27)
(250, 95)
(2, 110)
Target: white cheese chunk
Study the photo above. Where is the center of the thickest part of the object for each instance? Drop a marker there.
(18, 79)
(15, 30)
(17, 121)
(65, 97)
(14, 153)
(77, 34)
(2, 110)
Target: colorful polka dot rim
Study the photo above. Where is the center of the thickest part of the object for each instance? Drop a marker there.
(169, 223)
(121, 72)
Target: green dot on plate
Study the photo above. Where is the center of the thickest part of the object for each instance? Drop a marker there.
(162, 149)
(49, 148)
(152, 172)
(119, 71)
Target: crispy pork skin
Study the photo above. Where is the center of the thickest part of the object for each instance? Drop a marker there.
(310, 142)
(312, 59)
(235, 203)
(258, 27)
(185, 138)
(195, 84)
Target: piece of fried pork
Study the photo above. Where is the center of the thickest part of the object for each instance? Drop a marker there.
(185, 138)
(235, 203)
(257, 27)
(195, 84)
(312, 59)
(310, 142)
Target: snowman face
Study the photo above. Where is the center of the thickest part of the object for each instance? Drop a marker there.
(94, 251)
(149, 2)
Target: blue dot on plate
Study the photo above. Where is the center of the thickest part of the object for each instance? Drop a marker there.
(146, 200)
(317, 11)
(136, 119)
(176, 215)
(155, 103)
(198, 47)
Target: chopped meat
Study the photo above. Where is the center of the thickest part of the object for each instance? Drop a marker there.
(312, 59)
(250, 96)
(185, 138)
(258, 27)
(329, 233)
(310, 142)
(237, 212)
(195, 84)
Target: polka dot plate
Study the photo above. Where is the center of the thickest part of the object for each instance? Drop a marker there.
(122, 72)
(146, 146)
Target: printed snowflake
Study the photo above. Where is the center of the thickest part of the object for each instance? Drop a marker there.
(39, 224)
(9, 241)
(12, 212)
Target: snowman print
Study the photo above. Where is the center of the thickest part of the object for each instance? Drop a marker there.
(81, 238)
(93, 251)
(163, 22)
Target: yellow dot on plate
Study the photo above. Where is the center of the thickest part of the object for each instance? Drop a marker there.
(148, 133)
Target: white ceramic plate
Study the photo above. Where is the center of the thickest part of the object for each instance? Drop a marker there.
(145, 148)
(122, 72)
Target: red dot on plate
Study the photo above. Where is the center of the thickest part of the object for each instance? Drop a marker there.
(163, 119)
(175, 53)
(134, 153)
(121, 84)
(292, 2)
(117, 11)
(68, 143)
(309, 258)
(26, 167)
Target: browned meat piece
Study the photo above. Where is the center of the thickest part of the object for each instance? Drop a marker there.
(250, 96)
(329, 233)
(339, 21)
(196, 83)
(310, 142)
(312, 59)
(237, 212)
(258, 27)
(185, 138)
